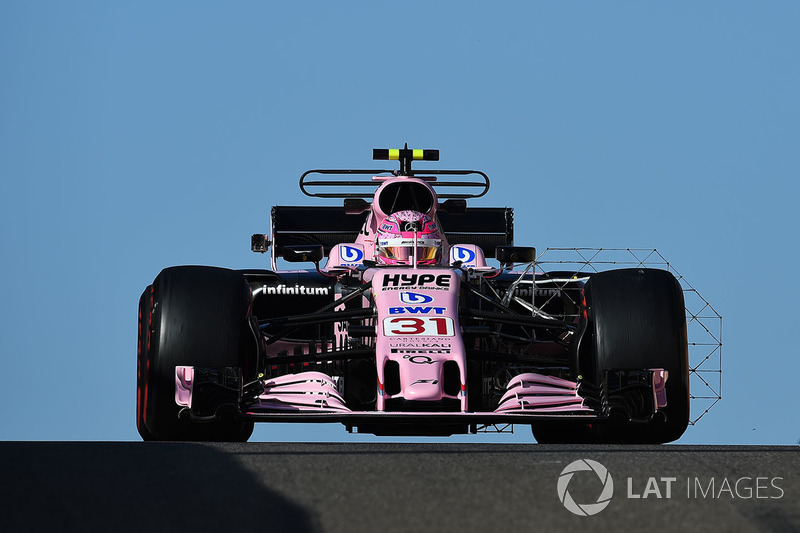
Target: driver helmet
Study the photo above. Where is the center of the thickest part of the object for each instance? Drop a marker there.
(397, 235)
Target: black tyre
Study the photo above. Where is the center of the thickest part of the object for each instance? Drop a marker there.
(142, 346)
(635, 319)
(195, 316)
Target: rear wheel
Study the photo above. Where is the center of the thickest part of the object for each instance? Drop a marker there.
(192, 316)
(635, 319)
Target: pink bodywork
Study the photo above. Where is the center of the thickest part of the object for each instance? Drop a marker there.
(184, 380)
(368, 237)
(306, 391)
(541, 394)
(417, 327)
(660, 387)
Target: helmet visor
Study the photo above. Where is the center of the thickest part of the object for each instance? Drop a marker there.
(403, 249)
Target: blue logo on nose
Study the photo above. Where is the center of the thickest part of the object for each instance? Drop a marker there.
(350, 254)
(415, 298)
(465, 255)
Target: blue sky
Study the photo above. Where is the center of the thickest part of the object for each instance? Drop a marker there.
(135, 136)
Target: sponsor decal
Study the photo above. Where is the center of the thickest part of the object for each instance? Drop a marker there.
(428, 326)
(525, 292)
(350, 254)
(415, 298)
(419, 310)
(435, 282)
(419, 359)
(465, 255)
(431, 381)
(415, 342)
(409, 350)
(296, 290)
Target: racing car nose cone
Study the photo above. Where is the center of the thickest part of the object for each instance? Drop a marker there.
(423, 389)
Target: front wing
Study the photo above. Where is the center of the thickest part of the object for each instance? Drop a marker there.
(313, 397)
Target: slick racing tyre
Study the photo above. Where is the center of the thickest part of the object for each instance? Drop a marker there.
(192, 316)
(635, 319)
(142, 347)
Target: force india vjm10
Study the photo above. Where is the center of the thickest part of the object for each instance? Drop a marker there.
(406, 330)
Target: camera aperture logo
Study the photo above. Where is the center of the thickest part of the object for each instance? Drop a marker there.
(585, 509)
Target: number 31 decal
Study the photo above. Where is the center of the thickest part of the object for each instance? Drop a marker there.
(431, 326)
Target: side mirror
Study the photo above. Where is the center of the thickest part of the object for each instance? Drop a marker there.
(259, 243)
(355, 206)
(515, 254)
(454, 206)
(303, 253)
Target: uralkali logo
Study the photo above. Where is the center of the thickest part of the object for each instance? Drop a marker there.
(585, 509)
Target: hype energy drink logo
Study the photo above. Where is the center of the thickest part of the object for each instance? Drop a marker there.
(403, 282)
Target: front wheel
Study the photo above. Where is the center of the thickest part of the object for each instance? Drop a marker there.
(634, 319)
(190, 316)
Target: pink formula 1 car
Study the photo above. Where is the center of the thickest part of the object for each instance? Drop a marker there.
(417, 316)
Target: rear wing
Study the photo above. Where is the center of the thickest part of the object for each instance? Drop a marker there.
(487, 227)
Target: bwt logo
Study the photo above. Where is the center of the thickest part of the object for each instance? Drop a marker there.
(351, 254)
(417, 310)
(585, 509)
(415, 298)
(465, 255)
